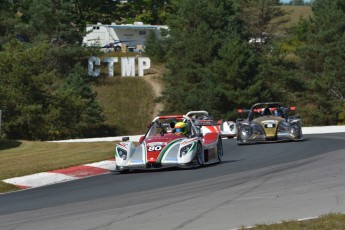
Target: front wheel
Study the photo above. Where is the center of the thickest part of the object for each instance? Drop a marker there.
(117, 49)
(197, 161)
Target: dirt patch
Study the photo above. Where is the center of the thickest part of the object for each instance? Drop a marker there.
(154, 77)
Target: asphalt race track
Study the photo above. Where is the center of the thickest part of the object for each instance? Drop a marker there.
(255, 184)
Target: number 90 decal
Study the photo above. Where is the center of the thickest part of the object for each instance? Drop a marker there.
(154, 148)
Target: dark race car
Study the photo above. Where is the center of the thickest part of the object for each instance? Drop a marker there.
(268, 122)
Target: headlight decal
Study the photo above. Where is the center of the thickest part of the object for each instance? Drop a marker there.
(187, 148)
(121, 153)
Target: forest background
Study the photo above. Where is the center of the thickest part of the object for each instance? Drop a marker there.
(46, 94)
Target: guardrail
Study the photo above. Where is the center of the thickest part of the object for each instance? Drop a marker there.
(135, 138)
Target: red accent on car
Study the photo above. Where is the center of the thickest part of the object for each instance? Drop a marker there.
(141, 139)
(259, 110)
(152, 156)
(210, 138)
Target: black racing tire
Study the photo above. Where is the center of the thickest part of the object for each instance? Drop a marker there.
(239, 140)
(197, 161)
(220, 149)
(299, 135)
(117, 49)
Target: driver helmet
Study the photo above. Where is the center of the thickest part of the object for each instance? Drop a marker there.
(180, 128)
(278, 113)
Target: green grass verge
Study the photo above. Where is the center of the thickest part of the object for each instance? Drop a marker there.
(334, 221)
(20, 158)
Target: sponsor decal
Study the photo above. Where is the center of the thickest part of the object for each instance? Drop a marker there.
(269, 121)
(154, 148)
(186, 142)
(171, 159)
(137, 161)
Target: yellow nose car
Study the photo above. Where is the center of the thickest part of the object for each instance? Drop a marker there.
(268, 122)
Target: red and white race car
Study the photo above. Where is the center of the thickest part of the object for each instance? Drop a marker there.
(165, 145)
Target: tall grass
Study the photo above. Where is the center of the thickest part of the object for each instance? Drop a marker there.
(295, 13)
(128, 102)
(334, 221)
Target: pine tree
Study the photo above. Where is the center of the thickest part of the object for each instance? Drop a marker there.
(322, 60)
(212, 67)
(36, 75)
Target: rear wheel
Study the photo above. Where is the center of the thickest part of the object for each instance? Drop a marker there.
(220, 149)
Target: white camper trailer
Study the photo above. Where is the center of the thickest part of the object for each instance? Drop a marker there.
(128, 37)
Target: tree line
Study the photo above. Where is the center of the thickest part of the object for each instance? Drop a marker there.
(213, 66)
(46, 94)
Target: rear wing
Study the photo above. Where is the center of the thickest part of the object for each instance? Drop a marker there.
(207, 122)
(291, 115)
(242, 114)
(201, 112)
(202, 118)
(289, 109)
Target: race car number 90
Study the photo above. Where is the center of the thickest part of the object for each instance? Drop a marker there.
(154, 148)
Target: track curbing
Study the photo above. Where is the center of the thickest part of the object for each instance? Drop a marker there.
(107, 166)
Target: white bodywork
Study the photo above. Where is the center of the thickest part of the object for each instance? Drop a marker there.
(228, 129)
(131, 36)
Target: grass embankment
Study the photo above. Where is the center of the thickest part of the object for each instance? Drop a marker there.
(295, 13)
(128, 102)
(20, 158)
(326, 222)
